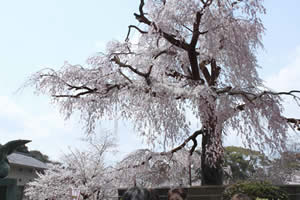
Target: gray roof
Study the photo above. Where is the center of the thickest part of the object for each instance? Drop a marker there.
(21, 159)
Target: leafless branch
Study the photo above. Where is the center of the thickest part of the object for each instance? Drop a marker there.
(171, 152)
(108, 88)
(78, 95)
(175, 74)
(135, 27)
(121, 64)
(167, 51)
(145, 75)
(126, 77)
(252, 97)
(193, 138)
(295, 122)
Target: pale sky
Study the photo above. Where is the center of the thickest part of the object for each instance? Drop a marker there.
(36, 34)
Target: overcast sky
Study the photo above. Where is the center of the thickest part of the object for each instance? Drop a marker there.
(36, 34)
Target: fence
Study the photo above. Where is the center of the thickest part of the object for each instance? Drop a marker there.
(215, 192)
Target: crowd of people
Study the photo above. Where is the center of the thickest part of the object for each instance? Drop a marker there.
(139, 193)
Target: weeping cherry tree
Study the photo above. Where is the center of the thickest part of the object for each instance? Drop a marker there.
(190, 58)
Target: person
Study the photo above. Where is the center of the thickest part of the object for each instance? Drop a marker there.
(177, 194)
(139, 193)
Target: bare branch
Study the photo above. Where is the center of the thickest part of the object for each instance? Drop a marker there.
(108, 88)
(135, 27)
(192, 137)
(121, 64)
(252, 96)
(78, 95)
(295, 122)
(171, 152)
(145, 75)
(175, 74)
(167, 51)
(126, 77)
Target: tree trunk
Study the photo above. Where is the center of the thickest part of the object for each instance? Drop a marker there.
(211, 174)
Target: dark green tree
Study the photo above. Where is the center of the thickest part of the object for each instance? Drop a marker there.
(22, 149)
(39, 156)
(243, 162)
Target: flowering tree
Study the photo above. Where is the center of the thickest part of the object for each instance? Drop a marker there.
(81, 170)
(195, 56)
(283, 169)
(151, 169)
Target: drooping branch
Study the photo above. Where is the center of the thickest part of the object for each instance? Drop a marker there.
(252, 97)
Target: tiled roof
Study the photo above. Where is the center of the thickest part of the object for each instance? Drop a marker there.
(21, 159)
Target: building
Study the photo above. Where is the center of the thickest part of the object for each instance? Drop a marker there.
(23, 169)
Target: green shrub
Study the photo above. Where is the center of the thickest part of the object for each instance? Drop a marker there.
(255, 190)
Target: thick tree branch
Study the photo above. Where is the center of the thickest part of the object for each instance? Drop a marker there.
(190, 48)
(295, 122)
(196, 32)
(193, 138)
(215, 72)
(205, 71)
(78, 95)
(121, 64)
(145, 75)
(170, 38)
(108, 88)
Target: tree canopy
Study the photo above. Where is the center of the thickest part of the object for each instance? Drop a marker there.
(244, 163)
(191, 57)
